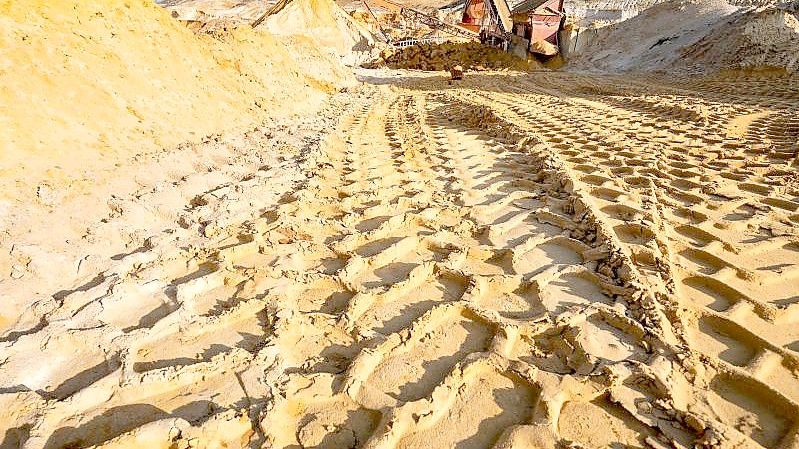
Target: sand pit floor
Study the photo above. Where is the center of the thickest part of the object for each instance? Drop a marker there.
(538, 260)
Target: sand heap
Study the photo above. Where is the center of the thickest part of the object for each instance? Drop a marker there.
(96, 96)
(470, 56)
(299, 33)
(90, 82)
(327, 24)
(654, 38)
(753, 39)
(205, 10)
(699, 35)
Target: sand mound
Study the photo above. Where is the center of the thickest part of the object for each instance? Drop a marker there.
(97, 101)
(203, 10)
(327, 24)
(763, 38)
(652, 39)
(470, 56)
(703, 35)
(87, 81)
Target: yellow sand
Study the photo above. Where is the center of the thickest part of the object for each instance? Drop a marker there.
(513, 260)
(508, 261)
(325, 22)
(86, 82)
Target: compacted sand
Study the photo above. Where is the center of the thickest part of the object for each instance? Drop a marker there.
(545, 260)
(226, 241)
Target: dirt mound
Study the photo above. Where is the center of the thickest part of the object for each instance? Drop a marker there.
(471, 56)
(234, 10)
(327, 24)
(695, 35)
(653, 39)
(95, 98)
(753, 39)
(88, 79)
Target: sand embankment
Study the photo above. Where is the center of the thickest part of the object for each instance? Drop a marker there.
(324, 22)
(696, 36)
(97, 99)
(91, 81)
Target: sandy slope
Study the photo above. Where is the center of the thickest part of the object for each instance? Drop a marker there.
(700, 36)
(102, 104)
(235, 10)
(515, 260)
(327, 24)
(762, 38)
(653, 39)
(506, 262)
(80, 81)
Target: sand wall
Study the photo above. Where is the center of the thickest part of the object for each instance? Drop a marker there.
(753, 39)
(84, 82)
(104, 103)
(693, 35)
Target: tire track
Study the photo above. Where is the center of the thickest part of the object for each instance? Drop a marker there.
(698, 211)
(503, 263)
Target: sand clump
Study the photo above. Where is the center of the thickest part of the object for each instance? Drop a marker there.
(438, 57)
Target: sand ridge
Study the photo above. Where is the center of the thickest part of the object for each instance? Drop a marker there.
(115, 115)
(691, 36)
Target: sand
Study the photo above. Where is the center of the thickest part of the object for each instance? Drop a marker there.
(763, 38)
(698, 36)
(327, 24)
(241, 11)
(539, 260)
(653, 39)
(540, 257)
(442, 57)
(104, 104)
(68, 84)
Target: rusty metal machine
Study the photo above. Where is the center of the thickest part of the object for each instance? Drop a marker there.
(419, 17)
(491, 19)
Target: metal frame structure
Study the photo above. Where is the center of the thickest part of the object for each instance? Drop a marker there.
(419, 17)
(426, 40)
(540, 19)
(434, 23)
(495, 27)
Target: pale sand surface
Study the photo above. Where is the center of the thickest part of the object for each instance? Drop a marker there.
(115, 116)
(516, 260)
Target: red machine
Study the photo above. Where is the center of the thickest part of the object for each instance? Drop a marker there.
(490, 18)
(539, 21)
